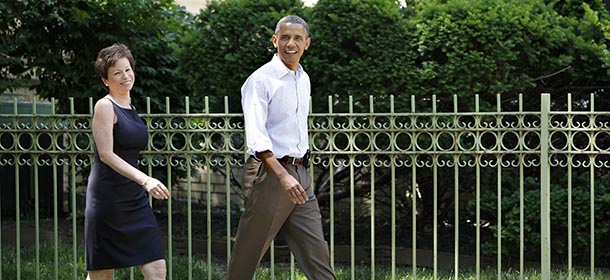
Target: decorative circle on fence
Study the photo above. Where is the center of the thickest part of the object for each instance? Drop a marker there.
(424, 141)
(509, 140)
(237, 142)
(43, 141)
(403, 141)
(178, 141)
(362, 141)
(82, 141)
(445, 141)
(382, 142)
(340, 141)
(25, 141)
(558, 140)
(531, 140)
(217, 141)
(158, 141)
(319, 141)
(488, 140)
(580, 141)
(601, 141)
(7, 141)
(466, 141)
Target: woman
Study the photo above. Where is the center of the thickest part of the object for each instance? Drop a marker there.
(120, 228)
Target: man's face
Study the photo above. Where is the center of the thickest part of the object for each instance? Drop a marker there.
(291, 41)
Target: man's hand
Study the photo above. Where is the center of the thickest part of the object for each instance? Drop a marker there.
(294, 189)
(290, 184)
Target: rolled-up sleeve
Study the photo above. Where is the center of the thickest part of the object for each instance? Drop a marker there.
(254, 104)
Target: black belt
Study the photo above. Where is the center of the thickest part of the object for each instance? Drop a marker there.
(291, 160)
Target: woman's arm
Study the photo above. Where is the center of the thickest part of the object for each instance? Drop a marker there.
(102, 126)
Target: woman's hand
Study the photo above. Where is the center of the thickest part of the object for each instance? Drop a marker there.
(155, 188)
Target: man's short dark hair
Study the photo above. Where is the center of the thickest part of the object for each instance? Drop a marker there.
(292, 19)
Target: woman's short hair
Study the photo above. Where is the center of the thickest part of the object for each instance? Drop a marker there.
(109, 56)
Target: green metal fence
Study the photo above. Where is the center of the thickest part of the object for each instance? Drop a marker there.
(397, 189)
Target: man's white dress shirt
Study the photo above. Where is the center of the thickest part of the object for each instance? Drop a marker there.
(275, 101)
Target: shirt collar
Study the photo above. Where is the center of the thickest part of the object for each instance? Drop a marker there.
(281, 68)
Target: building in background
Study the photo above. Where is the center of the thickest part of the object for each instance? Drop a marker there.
(193, 6)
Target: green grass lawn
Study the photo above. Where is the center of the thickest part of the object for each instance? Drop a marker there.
(65, 269)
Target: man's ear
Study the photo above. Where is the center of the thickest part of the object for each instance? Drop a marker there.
(274, 40)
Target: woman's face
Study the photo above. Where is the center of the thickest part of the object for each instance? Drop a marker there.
(120, 77)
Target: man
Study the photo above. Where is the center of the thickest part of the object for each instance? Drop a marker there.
(278, 192)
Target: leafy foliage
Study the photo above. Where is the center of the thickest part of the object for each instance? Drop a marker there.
(581, 227)
(511, 47)
(359, 48)
(487, 47)
(451, 47)
(589, 46)
(575, 8)
(230, 39)
(56, 42)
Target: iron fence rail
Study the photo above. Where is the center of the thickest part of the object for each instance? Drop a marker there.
(388, 159)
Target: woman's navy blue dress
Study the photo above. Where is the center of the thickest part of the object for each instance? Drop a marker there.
(120, 227)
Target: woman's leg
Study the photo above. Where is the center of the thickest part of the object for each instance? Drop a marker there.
(154, 270)
(105, 274)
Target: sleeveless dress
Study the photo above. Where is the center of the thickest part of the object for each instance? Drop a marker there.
(120, 227)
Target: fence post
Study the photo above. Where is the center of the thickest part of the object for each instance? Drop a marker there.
(545, 189)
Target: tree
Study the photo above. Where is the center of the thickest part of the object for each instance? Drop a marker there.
(486, 47)
(590, 49)
(230, 39)
(359, 48)
(508, 47)
(575, 8)
(56, 42)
